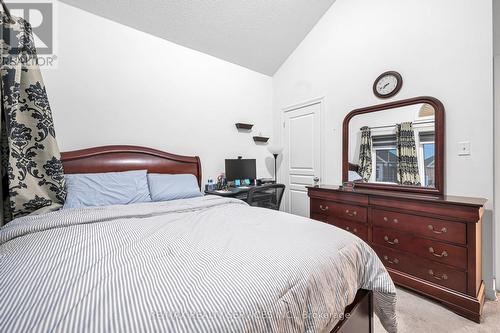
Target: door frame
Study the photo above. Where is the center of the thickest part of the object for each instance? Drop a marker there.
(496, 184)
(322, 148)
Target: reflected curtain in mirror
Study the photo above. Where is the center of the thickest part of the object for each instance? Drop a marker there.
(365, 154)
(407, 168)
(32, 173)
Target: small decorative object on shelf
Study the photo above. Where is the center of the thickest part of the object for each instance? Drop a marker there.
(244, 126)
(260, 139)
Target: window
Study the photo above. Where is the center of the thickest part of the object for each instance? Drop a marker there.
(386, 165)
(385, 155)
(385, 158)
(427, 149)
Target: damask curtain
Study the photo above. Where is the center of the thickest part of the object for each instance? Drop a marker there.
(32, 173)
(365, 154)
(407, 170)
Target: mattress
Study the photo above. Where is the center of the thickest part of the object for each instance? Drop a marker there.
(206, 264)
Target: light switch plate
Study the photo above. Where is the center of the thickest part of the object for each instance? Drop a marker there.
(464, 148)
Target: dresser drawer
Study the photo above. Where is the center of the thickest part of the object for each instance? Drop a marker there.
(321, 206)
(358, 229)
(422, 268)
(425, 226)
(349, 212)
(319, 217)
(425, 248)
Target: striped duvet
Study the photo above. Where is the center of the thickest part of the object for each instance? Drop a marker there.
(199, 265)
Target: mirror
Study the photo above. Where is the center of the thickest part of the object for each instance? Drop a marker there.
(396, 146)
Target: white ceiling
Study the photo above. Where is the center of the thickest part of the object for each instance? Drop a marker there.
(257, 34)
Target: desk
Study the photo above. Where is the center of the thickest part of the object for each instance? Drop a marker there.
(233, 192)
(265, 196)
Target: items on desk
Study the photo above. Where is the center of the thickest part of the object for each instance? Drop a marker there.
(221, 182)
(210, 186)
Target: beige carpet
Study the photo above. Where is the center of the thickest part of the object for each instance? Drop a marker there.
(418, 314)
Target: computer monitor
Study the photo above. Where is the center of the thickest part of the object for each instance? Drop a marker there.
(241, 169)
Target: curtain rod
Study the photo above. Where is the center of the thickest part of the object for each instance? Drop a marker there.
(389, 126)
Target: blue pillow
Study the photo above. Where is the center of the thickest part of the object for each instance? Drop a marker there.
(165, 187)
(104, 189)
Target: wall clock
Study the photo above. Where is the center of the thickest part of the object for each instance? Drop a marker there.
(387, 84)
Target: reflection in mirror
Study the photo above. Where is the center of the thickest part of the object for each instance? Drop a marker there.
(393, 146)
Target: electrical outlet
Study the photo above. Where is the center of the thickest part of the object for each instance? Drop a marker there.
(464, 148)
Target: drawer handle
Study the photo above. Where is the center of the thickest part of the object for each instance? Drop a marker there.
(355, 230)
(442, 231)
(323, 208)
(395, 241)
(442, 277)
(386, 219)
(395, 261)
(442, 255)
(352, 214)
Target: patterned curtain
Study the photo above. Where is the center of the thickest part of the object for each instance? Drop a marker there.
(407, 171)
(32, 173)
(365, 154)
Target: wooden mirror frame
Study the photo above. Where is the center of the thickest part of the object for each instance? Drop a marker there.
(439, 145)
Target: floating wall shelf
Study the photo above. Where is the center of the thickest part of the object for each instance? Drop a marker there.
(244, 126)
(260, 139)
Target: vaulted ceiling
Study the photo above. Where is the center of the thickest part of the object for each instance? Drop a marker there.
(257, 34)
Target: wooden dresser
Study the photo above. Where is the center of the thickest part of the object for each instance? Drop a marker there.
(430, 244)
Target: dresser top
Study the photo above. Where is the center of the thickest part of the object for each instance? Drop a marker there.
(448, 199)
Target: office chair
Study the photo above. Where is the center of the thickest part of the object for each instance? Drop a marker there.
(266, 196)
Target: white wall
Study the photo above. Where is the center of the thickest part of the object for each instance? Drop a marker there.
(116, 85)
(496, 47)
(441, 48)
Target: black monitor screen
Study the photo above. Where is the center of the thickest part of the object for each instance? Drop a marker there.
(241, 169)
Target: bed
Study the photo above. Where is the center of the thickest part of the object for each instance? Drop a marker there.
(206, 264)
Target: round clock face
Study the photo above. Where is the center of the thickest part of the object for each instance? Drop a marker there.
(387, 84)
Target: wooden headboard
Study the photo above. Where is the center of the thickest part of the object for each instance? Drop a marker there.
(127, 158)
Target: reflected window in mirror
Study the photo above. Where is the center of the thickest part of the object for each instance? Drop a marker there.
(386, 158)
(427, 151)
(400, 143)
(386, 166)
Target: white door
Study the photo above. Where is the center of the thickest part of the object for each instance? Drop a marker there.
(301, 156)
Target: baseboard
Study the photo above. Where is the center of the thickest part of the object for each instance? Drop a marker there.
(491, 294)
